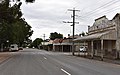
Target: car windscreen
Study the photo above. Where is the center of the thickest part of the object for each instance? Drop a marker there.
(12, 46)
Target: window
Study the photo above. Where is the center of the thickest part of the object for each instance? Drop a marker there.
(12, 46)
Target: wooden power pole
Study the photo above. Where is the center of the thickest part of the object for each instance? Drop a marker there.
(73, 24)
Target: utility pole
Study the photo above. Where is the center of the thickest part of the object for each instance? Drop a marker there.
(73, 10)
(44, 41)
(44, 37)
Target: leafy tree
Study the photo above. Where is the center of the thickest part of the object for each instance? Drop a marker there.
(21, 32)
(12, 26)
(6, 19)
(82, 34)
(28, 1)
(55, 35)
(36, 42)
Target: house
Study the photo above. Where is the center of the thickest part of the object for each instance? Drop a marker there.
(47, 45)
(57, 45)
(50, 45)
(103, 38)
(65, 45)
(62, 45)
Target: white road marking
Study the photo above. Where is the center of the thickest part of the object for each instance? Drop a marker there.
(45, 58)
(65, 71)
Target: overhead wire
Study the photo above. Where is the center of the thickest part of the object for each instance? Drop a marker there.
(106, 5)
(103, 12)
(102, 6)
(93, 13)
(77, 4)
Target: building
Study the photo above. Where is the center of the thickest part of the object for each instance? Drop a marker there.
(47, 45)
(103, 38)
(64, 45)
(57, 45)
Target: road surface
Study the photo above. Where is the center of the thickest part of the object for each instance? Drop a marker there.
(39, 62)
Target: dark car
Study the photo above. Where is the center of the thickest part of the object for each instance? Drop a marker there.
(20, 48)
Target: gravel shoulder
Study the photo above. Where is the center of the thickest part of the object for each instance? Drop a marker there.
(4, 56)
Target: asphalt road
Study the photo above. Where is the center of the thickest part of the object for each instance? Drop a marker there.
(39, 62)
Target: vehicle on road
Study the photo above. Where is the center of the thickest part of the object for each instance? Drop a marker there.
(27, 47)
(14, 47)
(82, 49)
(20, 48)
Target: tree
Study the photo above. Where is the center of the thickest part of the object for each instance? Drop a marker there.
(36, 42)
(28, 1)
(55, 35)
(12, 26)
(82, 34)
(21, 32)
(6, 20)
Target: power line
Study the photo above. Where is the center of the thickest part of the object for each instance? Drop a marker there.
(98, 1)
(102, 6)
(106, 11)
(103, 12)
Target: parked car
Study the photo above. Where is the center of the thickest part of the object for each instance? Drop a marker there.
(20, 48)
(82, 49)
(14, 47)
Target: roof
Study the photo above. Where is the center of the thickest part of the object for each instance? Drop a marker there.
(75, 36)
(58, 41)
(100, 18)
(109, 35)
(51, 42)
(116, 15)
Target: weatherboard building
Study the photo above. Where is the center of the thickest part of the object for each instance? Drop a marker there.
(103, 38)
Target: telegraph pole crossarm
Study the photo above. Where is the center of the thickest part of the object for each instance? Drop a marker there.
(73, 10)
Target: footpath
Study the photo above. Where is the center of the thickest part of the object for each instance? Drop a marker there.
(108, 60)
(113, 61)
(4, 56)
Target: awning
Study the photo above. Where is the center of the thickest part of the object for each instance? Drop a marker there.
(108, 35)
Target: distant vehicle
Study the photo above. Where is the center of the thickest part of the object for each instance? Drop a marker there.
(82, 49)
(13, 47)
(33, 47)
(20, 48)
(27, 47)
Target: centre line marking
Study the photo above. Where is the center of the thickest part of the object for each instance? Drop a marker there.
(65, 71)
(45, 58)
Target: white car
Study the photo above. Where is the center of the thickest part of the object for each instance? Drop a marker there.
(82, 49)
(13, 47)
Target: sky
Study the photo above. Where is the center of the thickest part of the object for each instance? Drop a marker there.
(46, 16)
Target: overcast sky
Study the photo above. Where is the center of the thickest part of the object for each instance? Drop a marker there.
(46, 16)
